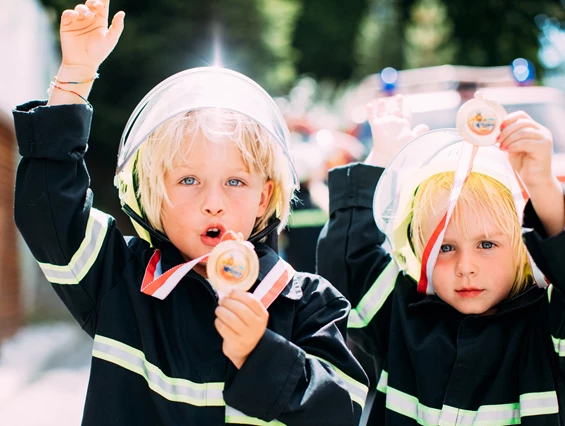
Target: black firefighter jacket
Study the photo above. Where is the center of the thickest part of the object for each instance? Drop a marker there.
(160, 362)
(437, 366)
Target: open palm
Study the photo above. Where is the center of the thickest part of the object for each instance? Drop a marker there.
(86, 39)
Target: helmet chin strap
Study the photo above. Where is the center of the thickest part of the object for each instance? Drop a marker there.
(271, 241)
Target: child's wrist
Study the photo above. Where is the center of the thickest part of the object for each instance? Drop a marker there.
(76, 73)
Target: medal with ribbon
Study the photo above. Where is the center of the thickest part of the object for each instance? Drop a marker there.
(232, 264)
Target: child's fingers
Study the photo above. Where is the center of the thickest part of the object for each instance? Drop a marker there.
(534, 138)
(229, 317)
(83, 12)
(420, 129)
(68, 16)
(513, 117)
(94, 4)
(250, 301)
(370, 111)
(529, 146)
(115, 30)
(521, 128)
(381, 107)
(397, 109)
(224, 329)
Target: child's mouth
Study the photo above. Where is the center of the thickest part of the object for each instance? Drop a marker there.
(469, 294)
(213, 235)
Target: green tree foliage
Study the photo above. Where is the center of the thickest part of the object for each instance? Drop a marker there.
(325, 36)
(167, 36)
(380, 39)
(428, 36)
(495, 32)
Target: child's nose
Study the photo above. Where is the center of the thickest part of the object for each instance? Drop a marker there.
(466, 265)
(213, 203)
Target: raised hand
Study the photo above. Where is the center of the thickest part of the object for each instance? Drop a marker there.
(86, 39)
(241, 320)
(530, 147)
(391, 130)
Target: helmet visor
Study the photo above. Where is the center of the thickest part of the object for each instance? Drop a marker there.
(199, 88)
(432, 153)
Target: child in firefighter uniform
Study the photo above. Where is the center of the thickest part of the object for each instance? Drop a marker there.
(196, 321)
(458, 292)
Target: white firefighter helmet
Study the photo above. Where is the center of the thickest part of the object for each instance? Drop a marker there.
(432, 153)
(193, 89)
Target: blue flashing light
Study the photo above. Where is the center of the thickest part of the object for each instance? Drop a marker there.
(388, 79)
(523, 71)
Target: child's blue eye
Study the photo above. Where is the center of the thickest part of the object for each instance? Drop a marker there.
(189, 181)
(486, 245)
(445, 248)
(234, 182)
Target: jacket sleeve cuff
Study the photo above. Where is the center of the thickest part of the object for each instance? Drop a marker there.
(52, 131)
(353, 185)
(547, 252)
(265, 383)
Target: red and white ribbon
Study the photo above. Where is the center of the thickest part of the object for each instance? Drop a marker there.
(431, 251)
(158, 284)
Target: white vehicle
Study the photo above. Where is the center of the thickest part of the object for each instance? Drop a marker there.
(435, 94)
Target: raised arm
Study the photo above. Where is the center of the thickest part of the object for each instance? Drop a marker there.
(529, 146)
(350, 248)
(78, 248)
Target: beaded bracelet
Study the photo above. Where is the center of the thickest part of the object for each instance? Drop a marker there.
(54, 86)
(96, 75)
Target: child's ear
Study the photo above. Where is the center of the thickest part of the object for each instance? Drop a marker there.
(266, 195)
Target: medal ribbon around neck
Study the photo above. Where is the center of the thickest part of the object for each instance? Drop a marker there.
(158, 284)
(464, 167)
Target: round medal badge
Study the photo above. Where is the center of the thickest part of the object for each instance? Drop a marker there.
(233, 264)
(478, 120)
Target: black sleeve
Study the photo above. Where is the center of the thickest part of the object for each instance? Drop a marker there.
(78, 247)
(351, 256)
(548, 253)
(313, 379)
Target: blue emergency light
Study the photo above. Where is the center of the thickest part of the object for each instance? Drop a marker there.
(523, 71)
(388, 79)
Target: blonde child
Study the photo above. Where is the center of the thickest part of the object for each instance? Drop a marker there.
(196, 162)
(485, 346)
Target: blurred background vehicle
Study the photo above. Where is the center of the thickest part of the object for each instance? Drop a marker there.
(434, 95)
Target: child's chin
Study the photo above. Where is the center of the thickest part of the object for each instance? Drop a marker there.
(473, 308)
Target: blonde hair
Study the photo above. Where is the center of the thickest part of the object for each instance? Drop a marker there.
(485, 197)
(167, 145)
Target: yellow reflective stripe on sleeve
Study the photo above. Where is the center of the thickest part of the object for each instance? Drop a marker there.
(357, 391)
(549, 292)
(85, 256)
(383, 382)
(173, 389)
(559, 346)
(374, 299)
(531, 404)
(307, 218)
(237, 417)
